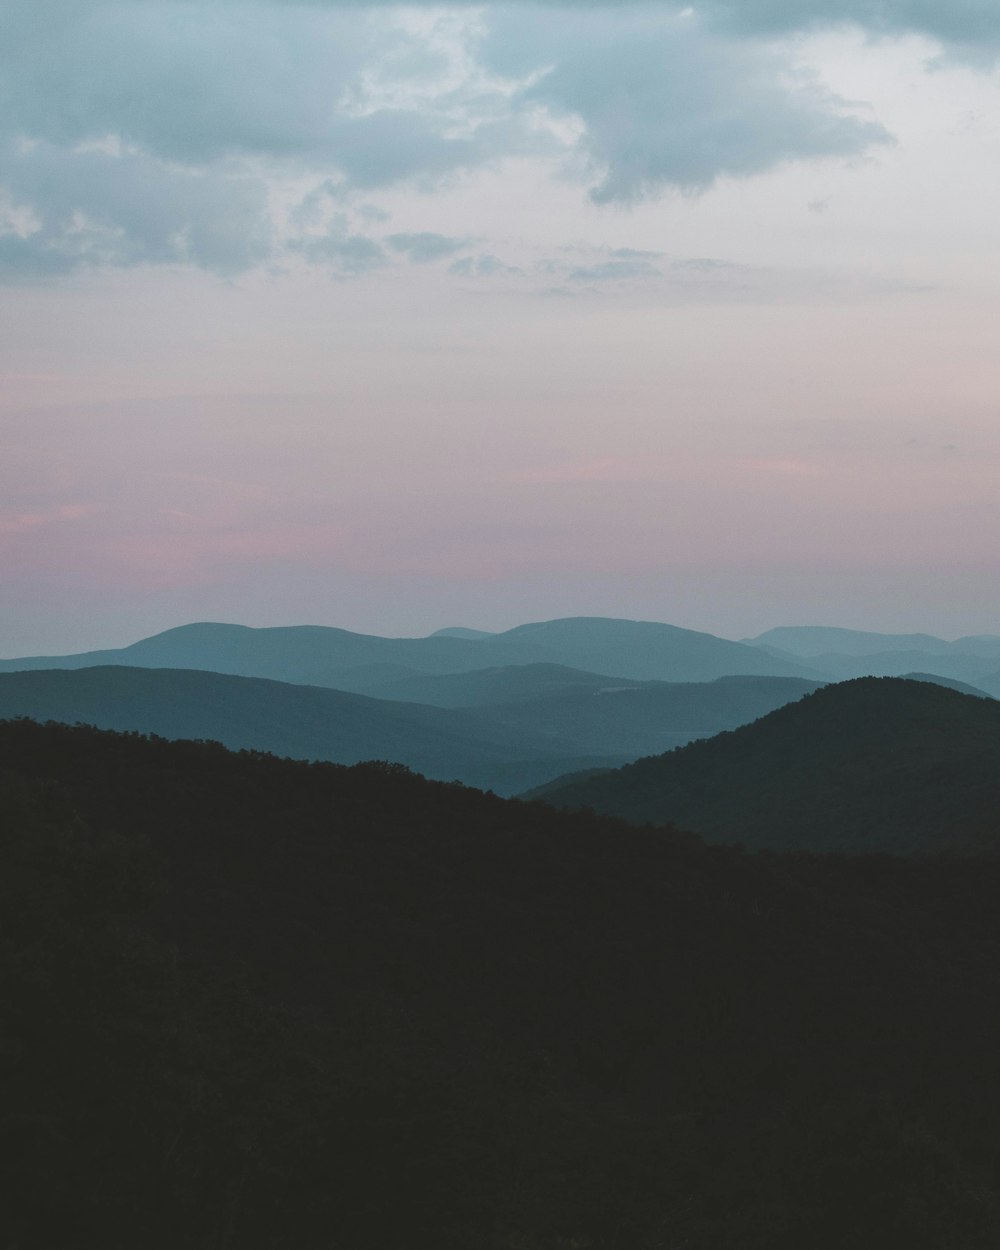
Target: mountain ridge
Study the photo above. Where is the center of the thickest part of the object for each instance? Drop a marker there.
(870, 765)
(480, 739)
(300, 721)
(324, 655)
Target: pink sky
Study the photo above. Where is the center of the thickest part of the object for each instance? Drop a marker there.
(772, 399)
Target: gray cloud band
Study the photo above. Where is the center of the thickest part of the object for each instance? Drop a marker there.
(134, 134)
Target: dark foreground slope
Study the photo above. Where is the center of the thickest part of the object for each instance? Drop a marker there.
(306, 722)
(260, 1004)
(876, 764)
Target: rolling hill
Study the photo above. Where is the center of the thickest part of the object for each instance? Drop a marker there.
(647, 650)
(306, 722)
(873, 765)
(840, 654)
(645, 718)
(336, 658)
(486, 687)
(808, 641)
(501, 729)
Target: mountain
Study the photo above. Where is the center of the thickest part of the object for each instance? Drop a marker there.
(459, 631)
(501, 729)
(640, 718)
(991, 684)
(324, 656)
(257, 1003)
(486, 687)
(306, 722)
(308, 654)
(935, 679)
(807, 641)
(840, 654)
(868, 765)
(968, 668)
(647, 650)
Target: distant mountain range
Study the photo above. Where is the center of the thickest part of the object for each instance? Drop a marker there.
(304, 722)
(871, 765)
(323, 656)
(637, 650)
(502, 729)
(838, 654)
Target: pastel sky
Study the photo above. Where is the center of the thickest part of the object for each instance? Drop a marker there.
(396, 317)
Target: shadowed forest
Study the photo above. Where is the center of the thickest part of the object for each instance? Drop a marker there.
(251, 1002)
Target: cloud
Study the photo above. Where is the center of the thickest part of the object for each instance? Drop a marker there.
(665, 103)
(614, 271)
(135, 133)
(348, 255)
(164, 134)
(426, 246)
(959, 22)
(483, 266)
(93, 207)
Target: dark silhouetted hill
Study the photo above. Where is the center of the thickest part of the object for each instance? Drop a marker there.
(879, 765)
(263, 1004)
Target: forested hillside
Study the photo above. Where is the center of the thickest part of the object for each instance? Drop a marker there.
(875, 764)
(263, 1004)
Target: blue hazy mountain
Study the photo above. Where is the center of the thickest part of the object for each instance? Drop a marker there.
(949, 682)
(484, 687)
(460, 631)
(871, 765)
(325, 656)
(305, 722)
(552, 725)
(965, 668)
(840, 654)
(648, 650)
(604, 715)
(311, 654)
(816, 640)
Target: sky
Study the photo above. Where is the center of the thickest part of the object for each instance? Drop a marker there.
(400, 317)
